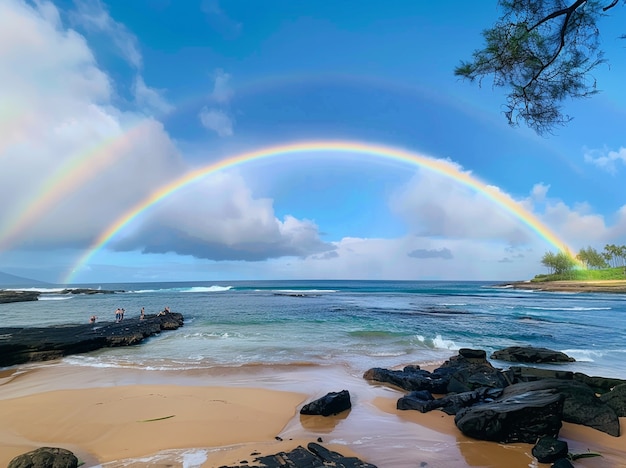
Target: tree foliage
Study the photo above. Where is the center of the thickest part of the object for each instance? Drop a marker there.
(562, 262)
(558, 263)
(543, 51)
(615, 255)
(591, 258)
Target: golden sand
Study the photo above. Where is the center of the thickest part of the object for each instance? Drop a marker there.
(115, 423)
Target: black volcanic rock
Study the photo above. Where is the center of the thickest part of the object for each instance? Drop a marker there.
(20, 345)
(518, 417)
(410, 378)
(616, 399)
(581, 405)
(314, 456)
(45, 457)
(18, 296)
(548, 449)
(329, 404)
(90, 291)
(530, 354)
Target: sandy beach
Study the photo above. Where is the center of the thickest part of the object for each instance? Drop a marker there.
(612, 286)
(131, 417)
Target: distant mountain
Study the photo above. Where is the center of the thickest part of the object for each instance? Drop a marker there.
(8, 280)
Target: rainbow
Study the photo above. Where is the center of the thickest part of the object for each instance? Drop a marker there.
(438, 166)
(76, 171)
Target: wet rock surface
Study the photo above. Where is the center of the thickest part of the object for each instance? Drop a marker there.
(529, 354)
(517, 404)
(313, 456)
(18, 296)
(21, 345)
(330, 404)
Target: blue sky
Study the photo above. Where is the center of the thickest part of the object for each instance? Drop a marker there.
(205, 80)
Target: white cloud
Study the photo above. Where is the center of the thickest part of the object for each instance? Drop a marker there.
(222, 92)
(606, 159)
(218, 218)
(360, 258)
(219, 20)
(149, 98)
(73, 163)
(93, 16)
(435, 205)
(431, 253)
(539, 192)
(217, 120)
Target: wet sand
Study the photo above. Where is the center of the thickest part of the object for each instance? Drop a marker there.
(612, 286)
(215, 417)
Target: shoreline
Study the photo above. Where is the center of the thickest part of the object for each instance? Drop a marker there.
(223, 416)
(598, 286)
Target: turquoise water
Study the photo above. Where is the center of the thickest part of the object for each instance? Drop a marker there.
(357, 324)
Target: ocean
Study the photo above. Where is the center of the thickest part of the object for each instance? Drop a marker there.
(313, 337)
(354, 324)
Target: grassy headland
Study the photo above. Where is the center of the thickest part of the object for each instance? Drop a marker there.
(605, 274)
(606, 280)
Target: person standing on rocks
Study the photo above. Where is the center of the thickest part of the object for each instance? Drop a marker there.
(142, 314)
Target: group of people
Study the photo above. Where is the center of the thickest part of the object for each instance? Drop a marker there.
(119, 314)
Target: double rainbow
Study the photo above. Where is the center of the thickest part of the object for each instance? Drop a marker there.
(437, 166)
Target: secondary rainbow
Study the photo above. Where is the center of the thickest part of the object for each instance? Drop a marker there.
(76, 171)
(436, 165)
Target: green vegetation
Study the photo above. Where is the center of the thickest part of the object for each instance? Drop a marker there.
(610, 264)
(542, 52)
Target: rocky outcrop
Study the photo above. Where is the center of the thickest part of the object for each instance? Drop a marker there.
(580, 406)
(616, 399)
(89, 291)
(517, 417)
(23, 296)
(313, 456)
(529, 354)
(423, 401)
(18, 296)
(463, 373)
(329, 404)
(45, 457)
(410, 378)
(20, 345)
(519, 404)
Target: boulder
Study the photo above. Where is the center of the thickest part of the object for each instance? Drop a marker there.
(522, 417)
(467, 371)
(529, 374)
(449, 404)
(530, 354)
(470, 370)
(45, 457)
(329, 404)
(313, 456)
(598, 384)
(616, 399)
(580, 406)
(420, 400)
(410, 378)
(548, 449)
